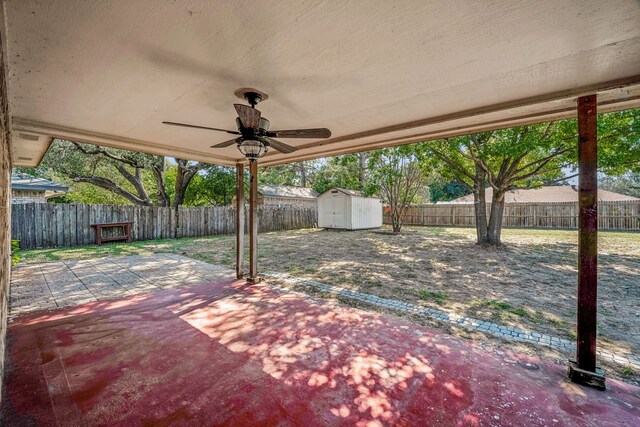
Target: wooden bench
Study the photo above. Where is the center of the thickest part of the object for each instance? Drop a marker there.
(126, 226)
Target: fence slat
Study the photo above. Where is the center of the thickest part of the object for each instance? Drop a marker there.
(620, 215)
(44, 225)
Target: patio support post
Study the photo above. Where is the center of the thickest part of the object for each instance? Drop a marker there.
(584, 370)
(239, 220)
(253, 222)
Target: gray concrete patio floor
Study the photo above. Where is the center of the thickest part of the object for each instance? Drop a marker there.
(65, 283)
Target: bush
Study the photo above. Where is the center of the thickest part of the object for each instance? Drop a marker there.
(15, 249)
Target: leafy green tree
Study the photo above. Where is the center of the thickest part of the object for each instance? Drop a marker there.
(137, 178)
(441, 190)
(299, 174)
(528, 156)
(628, 184)
(502, 159)
(396, 174)
(215, 185)
(348, 171)
(279, 175)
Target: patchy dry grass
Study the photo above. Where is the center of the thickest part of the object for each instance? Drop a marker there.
(529, 283)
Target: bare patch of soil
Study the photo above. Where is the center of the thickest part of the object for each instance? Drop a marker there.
(529, 283)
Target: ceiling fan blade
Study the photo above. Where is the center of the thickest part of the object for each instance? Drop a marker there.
(233, 132)
(227, 143)
(301, 133)
(249, 116)
(280, 146)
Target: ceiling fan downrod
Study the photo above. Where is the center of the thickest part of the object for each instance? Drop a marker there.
(253, 98)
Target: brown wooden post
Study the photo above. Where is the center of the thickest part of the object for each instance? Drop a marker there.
(253, 222)
(584, 369)
(239, 220)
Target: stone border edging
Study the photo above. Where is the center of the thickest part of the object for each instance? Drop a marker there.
(501, 331)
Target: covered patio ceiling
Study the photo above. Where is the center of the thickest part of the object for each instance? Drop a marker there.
(376, 73)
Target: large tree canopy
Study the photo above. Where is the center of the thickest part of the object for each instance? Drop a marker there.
(628, 184)
(348, 171)
(528, 156)
(135, 177)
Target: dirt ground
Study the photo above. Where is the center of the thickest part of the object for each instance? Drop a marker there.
(529, 283)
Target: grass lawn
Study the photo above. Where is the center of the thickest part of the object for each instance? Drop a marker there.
(530, 283)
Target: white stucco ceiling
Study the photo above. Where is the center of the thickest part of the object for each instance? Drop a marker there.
(375, 72)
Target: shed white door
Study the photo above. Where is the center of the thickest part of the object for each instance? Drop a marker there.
(336, 210)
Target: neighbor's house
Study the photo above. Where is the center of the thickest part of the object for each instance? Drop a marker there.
(561, 193)
(285, 195)
(27, 188)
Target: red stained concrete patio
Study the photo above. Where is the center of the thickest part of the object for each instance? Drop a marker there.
(231, 354)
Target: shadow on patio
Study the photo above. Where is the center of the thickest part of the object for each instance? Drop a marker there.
(228, 353)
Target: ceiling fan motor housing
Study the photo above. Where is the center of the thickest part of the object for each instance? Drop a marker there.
(263, 127)
(253, 98)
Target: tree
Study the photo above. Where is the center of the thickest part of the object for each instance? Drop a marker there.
(445, 190)
(299, 174)
(529, 156)
(348, 171)
(628, 184)
(135, 177)
(502, 159)
(215, 185)
(398, 177)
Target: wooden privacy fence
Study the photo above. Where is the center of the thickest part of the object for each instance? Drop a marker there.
(623, 215)
(43, 225)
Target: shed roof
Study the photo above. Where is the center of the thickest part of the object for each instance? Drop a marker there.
(23, 181)
(354, 193)
(289, 191)
(561, 193)
(382, 75)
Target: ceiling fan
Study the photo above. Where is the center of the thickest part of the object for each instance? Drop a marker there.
(253, 129)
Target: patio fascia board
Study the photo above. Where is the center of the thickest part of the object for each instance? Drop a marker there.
(616, 95)
(113, 141)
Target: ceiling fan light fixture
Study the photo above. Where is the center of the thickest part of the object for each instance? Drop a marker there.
(252, 149)
(254, 137)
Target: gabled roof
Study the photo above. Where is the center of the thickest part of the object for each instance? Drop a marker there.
(561, 193)
(271, 190)
(23, 181)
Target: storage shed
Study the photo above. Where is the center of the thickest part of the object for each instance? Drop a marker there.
(349, 210)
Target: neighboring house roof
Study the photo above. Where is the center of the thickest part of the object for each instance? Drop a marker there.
(561, 193)
(270, 190)
(23, 181)
(348, 192)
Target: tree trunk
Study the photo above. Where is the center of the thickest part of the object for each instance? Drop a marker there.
(495, 220)
(184, 175)
(303, 174)
(480, 206)
(362, 167)
(158, 173)
(396, 223)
